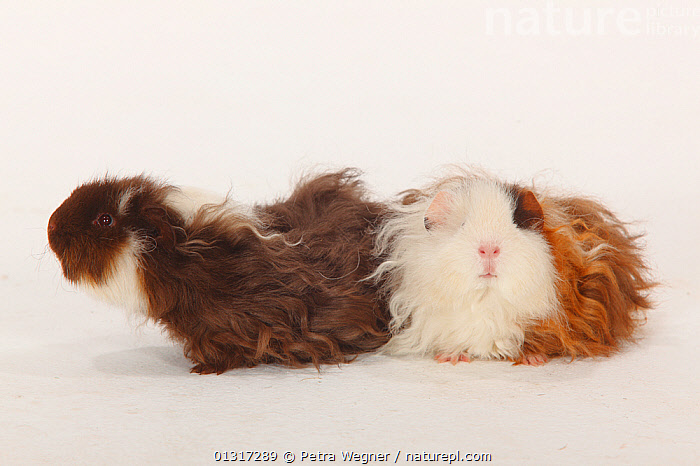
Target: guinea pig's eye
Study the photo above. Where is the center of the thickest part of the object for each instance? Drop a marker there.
(104, 220)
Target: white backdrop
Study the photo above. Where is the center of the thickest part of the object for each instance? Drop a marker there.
(245, 96)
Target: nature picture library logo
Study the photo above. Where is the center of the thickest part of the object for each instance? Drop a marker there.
(554, 19)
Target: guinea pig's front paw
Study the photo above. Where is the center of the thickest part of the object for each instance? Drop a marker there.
(532, 359)
(454, 359)
(204, 368)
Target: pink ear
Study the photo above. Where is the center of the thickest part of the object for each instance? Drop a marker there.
(438, 210)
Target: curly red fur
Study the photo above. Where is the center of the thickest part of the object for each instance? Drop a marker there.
(604, 283)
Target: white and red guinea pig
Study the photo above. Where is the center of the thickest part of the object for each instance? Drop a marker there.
(476, 268)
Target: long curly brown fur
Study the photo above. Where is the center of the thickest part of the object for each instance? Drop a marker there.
(279, 284)
(604, 282)
(236, 298)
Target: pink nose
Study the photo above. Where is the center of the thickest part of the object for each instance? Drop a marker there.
(489, 251)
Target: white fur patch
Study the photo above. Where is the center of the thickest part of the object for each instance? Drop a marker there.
(188, 201)
(122, 285)
(193, 203)
(439, 302)
(124, 200)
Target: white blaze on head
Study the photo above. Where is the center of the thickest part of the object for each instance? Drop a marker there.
(125, 199)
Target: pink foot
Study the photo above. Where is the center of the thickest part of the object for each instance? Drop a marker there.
(533, 359)
(452, 359)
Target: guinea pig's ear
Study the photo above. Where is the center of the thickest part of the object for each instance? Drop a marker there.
(438, 210)
(161, 226)
(528, 211)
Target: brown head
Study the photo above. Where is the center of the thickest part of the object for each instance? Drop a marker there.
(104, 219)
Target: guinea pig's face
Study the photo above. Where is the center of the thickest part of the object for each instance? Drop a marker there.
(97, 224)
(492, 237)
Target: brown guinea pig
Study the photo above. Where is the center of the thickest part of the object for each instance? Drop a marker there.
(236, 285)
(479, 268)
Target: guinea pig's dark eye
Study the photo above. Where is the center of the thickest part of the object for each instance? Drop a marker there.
(104, 220)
